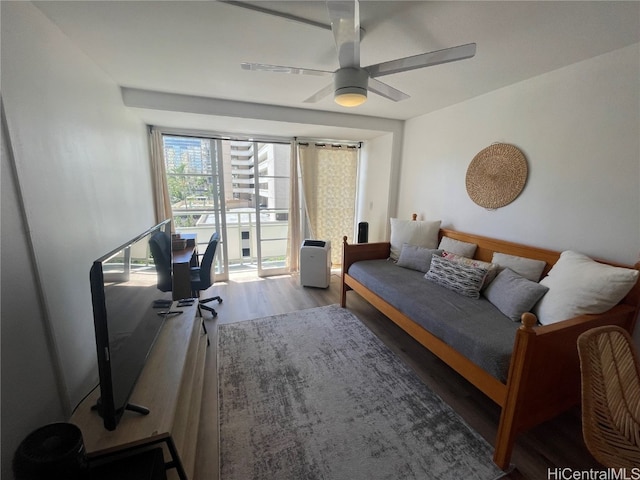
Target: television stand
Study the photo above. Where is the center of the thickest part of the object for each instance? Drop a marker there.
(129, 406)
(170, 385)
(137, 409)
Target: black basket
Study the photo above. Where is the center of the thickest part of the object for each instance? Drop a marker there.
(55, 451)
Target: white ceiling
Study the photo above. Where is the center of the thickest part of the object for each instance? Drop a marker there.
(196, 47)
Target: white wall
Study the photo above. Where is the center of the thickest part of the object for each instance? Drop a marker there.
(374, 186)
(24, 333)
(82, 166)
(579, 129)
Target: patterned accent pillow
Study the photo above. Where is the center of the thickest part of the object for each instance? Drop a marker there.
(463, 279)
(492, 268)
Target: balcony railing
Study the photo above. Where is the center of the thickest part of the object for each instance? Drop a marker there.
(242, 236)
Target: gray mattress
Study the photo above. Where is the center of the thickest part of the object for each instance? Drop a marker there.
(473, 327)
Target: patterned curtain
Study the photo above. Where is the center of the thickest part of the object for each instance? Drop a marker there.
(329, 176)
(162, 201)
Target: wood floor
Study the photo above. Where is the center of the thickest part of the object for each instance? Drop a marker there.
(555, 444)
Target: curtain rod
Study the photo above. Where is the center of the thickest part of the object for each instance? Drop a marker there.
(321, 142)
(222, 136)
(255, 138)
(332, 145)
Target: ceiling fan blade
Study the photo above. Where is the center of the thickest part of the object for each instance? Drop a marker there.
(423, 60)
(384, 90)
(345, 25)
(285, 15)
(263, 67)
(320, 95)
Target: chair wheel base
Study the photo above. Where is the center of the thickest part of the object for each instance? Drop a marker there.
(207, 300)
(209, 309)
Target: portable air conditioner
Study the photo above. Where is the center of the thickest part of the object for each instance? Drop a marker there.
(315, 263)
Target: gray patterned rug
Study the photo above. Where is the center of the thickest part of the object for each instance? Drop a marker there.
(315, 395)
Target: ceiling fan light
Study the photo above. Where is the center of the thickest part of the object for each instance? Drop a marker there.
(350, 96)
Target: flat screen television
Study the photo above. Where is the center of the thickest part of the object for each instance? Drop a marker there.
(127, 321)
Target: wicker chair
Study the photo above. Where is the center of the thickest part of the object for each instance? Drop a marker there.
(610, 396)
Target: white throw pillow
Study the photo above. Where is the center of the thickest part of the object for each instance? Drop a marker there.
(525, 267)
(414, 232)
(579, 285)
(464, 249)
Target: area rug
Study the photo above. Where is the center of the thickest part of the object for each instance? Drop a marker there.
(314, 394)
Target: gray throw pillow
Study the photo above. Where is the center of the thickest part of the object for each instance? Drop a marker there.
(464, 249)
(527, 267)
(513, 294)
(417, 258)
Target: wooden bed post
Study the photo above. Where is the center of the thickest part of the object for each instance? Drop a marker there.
(518, 373)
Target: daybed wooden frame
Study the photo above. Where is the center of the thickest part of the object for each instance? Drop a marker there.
(544, 374)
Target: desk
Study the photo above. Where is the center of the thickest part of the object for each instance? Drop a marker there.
(182, 261)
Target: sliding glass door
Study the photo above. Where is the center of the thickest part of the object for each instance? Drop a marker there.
(195, 179)
(271, 165)
(258, 207)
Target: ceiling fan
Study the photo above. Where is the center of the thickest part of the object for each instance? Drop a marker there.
(351, 82)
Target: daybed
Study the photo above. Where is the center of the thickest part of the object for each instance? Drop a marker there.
(533, 371)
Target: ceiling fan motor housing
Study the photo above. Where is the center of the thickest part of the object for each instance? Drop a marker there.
(351, 80)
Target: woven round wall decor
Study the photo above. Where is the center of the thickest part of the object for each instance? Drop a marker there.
(496, 175)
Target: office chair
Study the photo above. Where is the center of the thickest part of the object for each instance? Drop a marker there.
(202, 277)
(160, 246)
(610, 396)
